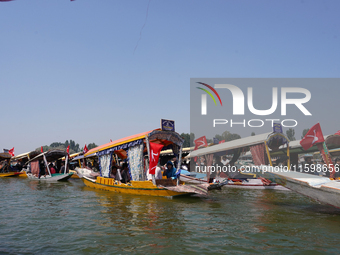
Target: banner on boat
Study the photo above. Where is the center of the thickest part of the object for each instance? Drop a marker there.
(168, 125)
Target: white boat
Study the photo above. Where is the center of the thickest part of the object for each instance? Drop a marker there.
(315, 186)
(233, 175)
(35, 164)
(322, 189)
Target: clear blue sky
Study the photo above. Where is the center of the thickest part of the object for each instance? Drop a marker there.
(71, 70)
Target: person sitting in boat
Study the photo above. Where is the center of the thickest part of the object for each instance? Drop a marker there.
(125, 173)
(224, 160)
(52, 169)
(95, 167)
(62, 168)
(89, 165)
(218, 165)
(170, 171)
(158, 173)
(115, 174)
(308, 166)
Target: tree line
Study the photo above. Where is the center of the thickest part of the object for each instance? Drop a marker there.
(74, 147)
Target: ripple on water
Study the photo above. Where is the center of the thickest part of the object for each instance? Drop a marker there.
(70, 218)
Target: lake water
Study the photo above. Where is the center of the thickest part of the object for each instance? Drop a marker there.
(69, 218)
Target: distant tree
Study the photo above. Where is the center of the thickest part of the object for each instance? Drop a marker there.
(55, 144)
(304, 132)
(227, 136)
(91, 146)
(186, 138)
(291, 134)
(252, 133)
(192, 138)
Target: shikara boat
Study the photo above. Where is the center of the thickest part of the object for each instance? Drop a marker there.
(23, 158)
(135, 150)
(314, 185)
(5, 168)
(235, 174)
(36, 164)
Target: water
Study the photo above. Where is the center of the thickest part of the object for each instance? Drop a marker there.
(69, 218)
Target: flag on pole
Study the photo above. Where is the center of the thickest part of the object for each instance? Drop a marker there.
(202, 141)
(85, 149)
(155, 150)
(11, 151)
(313, 136)
(42, 149)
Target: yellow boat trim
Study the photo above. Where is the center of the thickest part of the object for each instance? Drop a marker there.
(145, 188)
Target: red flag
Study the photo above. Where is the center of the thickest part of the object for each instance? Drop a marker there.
(202, 141)
(222, 141)
(313, 136)
(337, 133)
(155, 150)
(85, 149)
(68, 149)
(42, 149)
(11, 151)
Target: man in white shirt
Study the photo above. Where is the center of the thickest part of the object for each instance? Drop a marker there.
(158, 174)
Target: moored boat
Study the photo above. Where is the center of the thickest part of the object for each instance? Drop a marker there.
(39, 168)
(135, 150)
(235, 174)
(309, 182)
(5, 168)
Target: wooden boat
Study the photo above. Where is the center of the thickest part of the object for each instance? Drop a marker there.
(314, 185)
(5, 169)
(81, 169)
(234, 175)
(42, 160)
(134, 149)
(23, 158)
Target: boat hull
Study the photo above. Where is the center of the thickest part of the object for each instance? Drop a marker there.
(11, 174)
(316, 187)
(53, 177)
(146, 188)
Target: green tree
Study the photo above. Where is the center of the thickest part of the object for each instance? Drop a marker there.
(252, 133)
(227, 136)
(304, 132)
(91, 146)
(186, 138)
(291, 134)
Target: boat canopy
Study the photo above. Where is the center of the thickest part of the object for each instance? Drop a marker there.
(133, 148)
(28, 155)
(5, 155)
(296, 148)
(333, 141)
(273, 141)
(50, 155)
(83, 156)
(120, 146)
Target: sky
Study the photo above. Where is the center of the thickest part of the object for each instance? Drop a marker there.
(95, 70)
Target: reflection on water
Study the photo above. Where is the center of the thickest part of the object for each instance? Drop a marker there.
(67, 217)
